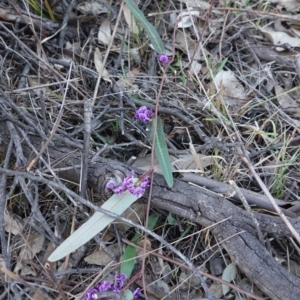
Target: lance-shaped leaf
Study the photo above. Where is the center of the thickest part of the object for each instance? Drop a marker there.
(128, 259)
(161, 151)
(153, 35)
(116, 204)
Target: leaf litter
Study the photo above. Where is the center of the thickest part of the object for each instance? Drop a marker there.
(235, 74)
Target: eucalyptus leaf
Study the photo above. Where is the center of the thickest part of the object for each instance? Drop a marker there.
(153, 35)
(228, 275)
(161, 151)
(116, 204)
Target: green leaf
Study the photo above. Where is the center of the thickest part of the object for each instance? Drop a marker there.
(152, 221)
(171, 220)
(116, 204)
(150, 29)
(128, 259)
(161, 152)
(128, 295)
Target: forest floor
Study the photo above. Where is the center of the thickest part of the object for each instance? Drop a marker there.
(222, 99)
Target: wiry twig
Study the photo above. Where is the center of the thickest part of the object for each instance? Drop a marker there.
(55, 126)
(86, 147)
(3, 200)
(109, 213)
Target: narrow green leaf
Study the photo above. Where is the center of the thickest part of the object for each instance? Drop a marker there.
(152, 221)
(161, 152)
(150, 29)
(116, 204)
(171, 220)
(128, 259)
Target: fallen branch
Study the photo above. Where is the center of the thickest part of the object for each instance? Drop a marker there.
(237, 234)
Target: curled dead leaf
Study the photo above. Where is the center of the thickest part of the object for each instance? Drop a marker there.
(100, 66)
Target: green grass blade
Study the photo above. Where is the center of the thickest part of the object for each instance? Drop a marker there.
(116, 204)
(150, 29)
(161, 152)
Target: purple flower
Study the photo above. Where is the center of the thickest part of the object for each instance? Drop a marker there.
(140, 190)
(136, 191)
(137, 293)
(145, 183)
(127, 184)
(163, 58)
(110, 185)
(119, 280)
(144, 114)
(104, 286)
(89, 293)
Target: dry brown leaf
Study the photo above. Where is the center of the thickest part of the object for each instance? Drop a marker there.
(130, 78)
(130, 20)
(186, 162)
(289, 5)
(135, 213)
(140, 252)
(34, 245)
(233, 91)
(186, 18)
(92, 7)
(187, 45)
(74, 46)
(101, 258)
(144, 163)
(280, 38)
(196, 67)
(197, 3)
(104, 33)
(11, 225)
(181, 163)
(286, 101)
(99, 65)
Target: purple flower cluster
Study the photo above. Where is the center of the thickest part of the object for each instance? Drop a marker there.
(144, 114)
(163, 58)
(128, 184)
(105, 286)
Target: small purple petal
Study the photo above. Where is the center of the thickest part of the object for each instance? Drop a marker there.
(104, 286)
(164, 59)
(110, 185)
(127, 182)
(89, 293)
(145, 183)
(137, 293)
(137, 191)
(116, 289)
(119, 280)
(144, 114)
(119, 190)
